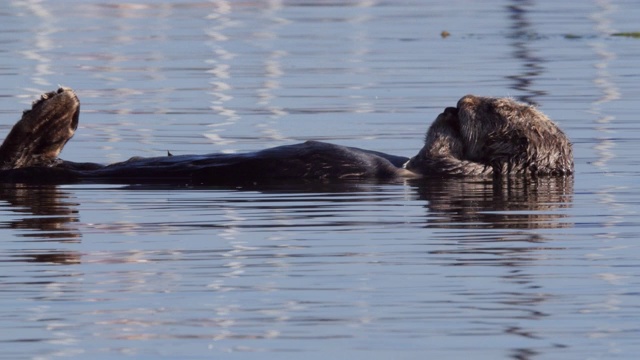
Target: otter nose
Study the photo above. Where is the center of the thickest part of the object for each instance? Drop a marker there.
(468, 101)
(451, 111)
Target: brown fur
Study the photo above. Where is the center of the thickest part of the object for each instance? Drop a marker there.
(493, 136)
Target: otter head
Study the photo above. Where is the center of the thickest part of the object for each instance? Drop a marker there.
(38, 138)
(484, 136)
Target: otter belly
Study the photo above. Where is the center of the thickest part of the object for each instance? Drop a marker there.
(311, 160)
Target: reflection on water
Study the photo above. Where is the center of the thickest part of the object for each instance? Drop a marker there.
(502, 203)
(522, 33)
(511, 204)
(42, 213)
(220, 67)
(609, 91)
(41, 45)
(50, 213)
(47, 213)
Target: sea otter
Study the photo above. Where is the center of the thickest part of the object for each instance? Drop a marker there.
(481, 137)
(493, 136)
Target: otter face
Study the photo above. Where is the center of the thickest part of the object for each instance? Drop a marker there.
(40, 135)
(485, 136)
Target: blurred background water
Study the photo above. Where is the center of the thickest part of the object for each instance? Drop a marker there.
(514, 269)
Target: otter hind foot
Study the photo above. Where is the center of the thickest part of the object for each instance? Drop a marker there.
(39, 136)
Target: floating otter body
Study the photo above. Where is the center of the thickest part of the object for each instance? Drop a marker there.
(480, 137)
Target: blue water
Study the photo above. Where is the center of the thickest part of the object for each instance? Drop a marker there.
(441, 269)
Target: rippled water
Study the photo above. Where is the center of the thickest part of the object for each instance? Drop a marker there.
(446, 269)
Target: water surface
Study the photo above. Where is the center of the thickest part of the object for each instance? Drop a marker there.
(535, 269)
